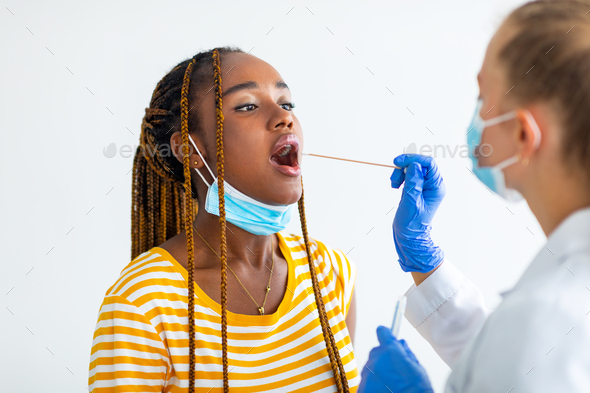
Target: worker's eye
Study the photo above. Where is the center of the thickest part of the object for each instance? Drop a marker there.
(289, 106)
(245, 106)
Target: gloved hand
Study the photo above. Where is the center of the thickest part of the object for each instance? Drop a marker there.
(422, 194)
(392, 367)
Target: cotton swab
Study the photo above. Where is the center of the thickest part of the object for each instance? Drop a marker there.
(398, 314)
(346, 159)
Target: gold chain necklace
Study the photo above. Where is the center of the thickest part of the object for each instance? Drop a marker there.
(260, 308)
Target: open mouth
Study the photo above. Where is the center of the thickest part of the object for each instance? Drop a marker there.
(285, 157)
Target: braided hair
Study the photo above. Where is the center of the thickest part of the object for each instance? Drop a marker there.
(163, 195)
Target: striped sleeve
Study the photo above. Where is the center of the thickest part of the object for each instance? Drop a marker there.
(127, 353)
(346, 277)
(344, 272)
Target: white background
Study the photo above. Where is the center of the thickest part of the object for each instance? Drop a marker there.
(368, 79)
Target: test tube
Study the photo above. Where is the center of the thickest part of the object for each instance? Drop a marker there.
(400, 309)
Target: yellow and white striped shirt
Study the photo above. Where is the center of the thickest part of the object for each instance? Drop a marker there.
(141, 339)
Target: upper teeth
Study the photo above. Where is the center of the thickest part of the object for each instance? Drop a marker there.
(285, 151)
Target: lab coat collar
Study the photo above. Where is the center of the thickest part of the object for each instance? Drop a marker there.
(570, 236)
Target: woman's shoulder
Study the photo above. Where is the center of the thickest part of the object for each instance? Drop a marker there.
(335, 269)
(295, 240)
(322, 252)
(296, 245)
(148, 274)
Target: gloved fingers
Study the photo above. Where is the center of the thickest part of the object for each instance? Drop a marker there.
(403, 160)
(413, 183)
(408, 351)
(397, 178)
(433, 180)
(384, 335)
(364, 382)
(430, 170)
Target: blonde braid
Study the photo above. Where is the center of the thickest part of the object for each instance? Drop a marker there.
(135, 206)
(150, 207)
(333, 352)
(153, 189)
(222, 223)
(178, 208)
(188, 222)
(163, 207)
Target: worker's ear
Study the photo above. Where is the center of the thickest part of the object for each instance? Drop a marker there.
(529, 136)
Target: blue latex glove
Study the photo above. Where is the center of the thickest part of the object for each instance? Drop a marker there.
(423, 192)
(392, 367)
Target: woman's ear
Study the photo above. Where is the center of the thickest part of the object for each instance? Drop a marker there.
(195, 160)
(529, 137)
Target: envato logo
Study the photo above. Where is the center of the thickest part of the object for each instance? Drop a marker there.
(127, 151)
(462, 151)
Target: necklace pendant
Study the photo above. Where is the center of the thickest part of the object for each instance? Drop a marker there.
(261, 310)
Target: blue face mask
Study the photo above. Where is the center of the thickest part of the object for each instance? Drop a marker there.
(243, 211)
(493, 176)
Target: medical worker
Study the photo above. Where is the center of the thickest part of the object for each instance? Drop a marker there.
(533, 118)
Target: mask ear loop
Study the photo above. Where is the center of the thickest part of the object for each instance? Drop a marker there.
(536, 132)
(508, 116)
(535, 128)
(508, 162)
(499, 119)
(205, 162)
(492, 122)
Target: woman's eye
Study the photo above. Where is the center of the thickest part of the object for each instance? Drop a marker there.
(249, 107)
(240, 108)
(289, 106)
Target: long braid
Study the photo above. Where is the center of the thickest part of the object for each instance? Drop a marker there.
(151, 221)
(188, 221)
(222, 223)
(333, 352)
(154, 188)
(178, 208)
(163, 206)
(141, 204)
(150, 207)
(135, 207)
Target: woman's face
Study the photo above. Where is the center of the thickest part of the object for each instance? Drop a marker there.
(257, 120)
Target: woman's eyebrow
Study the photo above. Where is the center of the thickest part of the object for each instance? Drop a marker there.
(251, 85)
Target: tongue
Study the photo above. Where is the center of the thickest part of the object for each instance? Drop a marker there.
(284, 160)
(288, 159)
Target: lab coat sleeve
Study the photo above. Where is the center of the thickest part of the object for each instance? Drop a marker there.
(447, 310)
(537, 339)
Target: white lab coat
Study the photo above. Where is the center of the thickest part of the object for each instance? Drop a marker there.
(537, 340)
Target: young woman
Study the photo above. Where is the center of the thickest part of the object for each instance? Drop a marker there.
(282, 318)
(534, 100)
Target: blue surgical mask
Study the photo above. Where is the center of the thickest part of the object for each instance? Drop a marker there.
(243, 211)
(493, 176)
